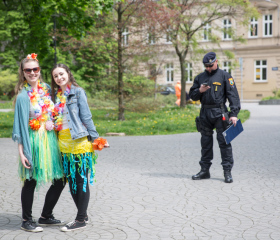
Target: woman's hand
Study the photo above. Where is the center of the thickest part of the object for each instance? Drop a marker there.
(25, 162)
(23, 159)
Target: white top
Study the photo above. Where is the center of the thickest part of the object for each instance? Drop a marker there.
(31, 112)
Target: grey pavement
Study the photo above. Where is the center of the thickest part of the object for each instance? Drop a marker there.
(144, 189)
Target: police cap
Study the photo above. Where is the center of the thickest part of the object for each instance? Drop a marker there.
(209, 58)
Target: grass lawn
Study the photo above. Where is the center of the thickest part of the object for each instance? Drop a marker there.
(169, 120)
(6, 104)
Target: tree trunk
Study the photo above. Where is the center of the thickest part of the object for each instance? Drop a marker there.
(182, 57)
(120, 66)
(155, 87)
(183, 81)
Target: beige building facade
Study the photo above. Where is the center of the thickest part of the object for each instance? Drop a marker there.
(256, 67)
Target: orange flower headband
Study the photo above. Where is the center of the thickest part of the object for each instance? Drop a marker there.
(32, 56)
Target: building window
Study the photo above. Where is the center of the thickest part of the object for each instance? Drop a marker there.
(260, 70)
(227, 67)
(151, 38)
(169, 72)
(189, 72)
(168, 36)
(227, 29)
(206, 32)
(267, 25)
(253, 31)
(125, 37)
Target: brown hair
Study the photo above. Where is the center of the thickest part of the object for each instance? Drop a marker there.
(21, 78)
(70, 75)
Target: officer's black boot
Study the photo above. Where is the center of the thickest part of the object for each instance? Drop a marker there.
(228, 177)
(203, 174)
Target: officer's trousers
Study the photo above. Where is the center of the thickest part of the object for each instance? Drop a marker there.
(210, 119)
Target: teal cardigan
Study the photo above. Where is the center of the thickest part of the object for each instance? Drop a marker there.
(21, 121)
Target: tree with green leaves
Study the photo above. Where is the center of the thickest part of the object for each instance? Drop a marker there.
(126, 22)
(184, 21)
(27, 26)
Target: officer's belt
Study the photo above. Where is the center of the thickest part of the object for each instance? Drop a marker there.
(211, 106)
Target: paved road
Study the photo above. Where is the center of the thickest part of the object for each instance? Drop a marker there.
(6, 110)
(144, 189)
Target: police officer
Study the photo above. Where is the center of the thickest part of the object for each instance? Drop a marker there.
(213, 88)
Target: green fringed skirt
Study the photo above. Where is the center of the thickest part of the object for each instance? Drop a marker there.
(46, 157)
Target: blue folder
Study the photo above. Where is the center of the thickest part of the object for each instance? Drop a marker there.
(233, 131)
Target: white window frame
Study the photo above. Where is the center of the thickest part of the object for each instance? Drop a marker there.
(167, 37)
(227, 24)
(206, 32)
(169, 73)
(261, 67)
(253, 27)
(151, 38)
(125, 34)
(268, 23)
(227, 66)
(189, 72)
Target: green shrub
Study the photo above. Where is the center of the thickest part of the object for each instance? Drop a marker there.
(8, 82)
(276, 93)
(6, 105)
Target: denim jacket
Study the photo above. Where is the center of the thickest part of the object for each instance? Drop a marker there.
(79, 116)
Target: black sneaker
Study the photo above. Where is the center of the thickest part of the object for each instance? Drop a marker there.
(86, 220)
(75, 225)
(30, 226)
(49, 221)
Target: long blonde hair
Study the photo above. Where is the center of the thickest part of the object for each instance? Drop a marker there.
(21, 78)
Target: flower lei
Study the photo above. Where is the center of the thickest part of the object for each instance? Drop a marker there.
(58, 107)
(42, 106)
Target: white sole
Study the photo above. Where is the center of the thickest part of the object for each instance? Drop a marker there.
(31, 230)
(69, 230)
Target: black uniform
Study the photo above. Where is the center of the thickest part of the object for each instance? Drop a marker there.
(222, 88)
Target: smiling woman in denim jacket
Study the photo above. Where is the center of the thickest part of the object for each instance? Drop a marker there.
(76, 131)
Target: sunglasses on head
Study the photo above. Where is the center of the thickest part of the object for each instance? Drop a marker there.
(29, 70)
(209, 65)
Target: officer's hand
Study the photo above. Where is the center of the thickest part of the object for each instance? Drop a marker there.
(203, 88)
(234, 120)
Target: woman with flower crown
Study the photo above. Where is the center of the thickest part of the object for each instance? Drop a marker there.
(40, 159)
(76, 132)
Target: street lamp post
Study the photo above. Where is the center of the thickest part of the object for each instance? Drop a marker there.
(277, 14)
(54, 35)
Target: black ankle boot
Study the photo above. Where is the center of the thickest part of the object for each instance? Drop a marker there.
(228, 177)
(203, 174)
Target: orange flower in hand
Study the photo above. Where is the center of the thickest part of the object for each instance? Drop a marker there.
(99, 143)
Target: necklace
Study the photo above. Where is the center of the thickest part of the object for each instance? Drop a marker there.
(41, 105)
(59, 106)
